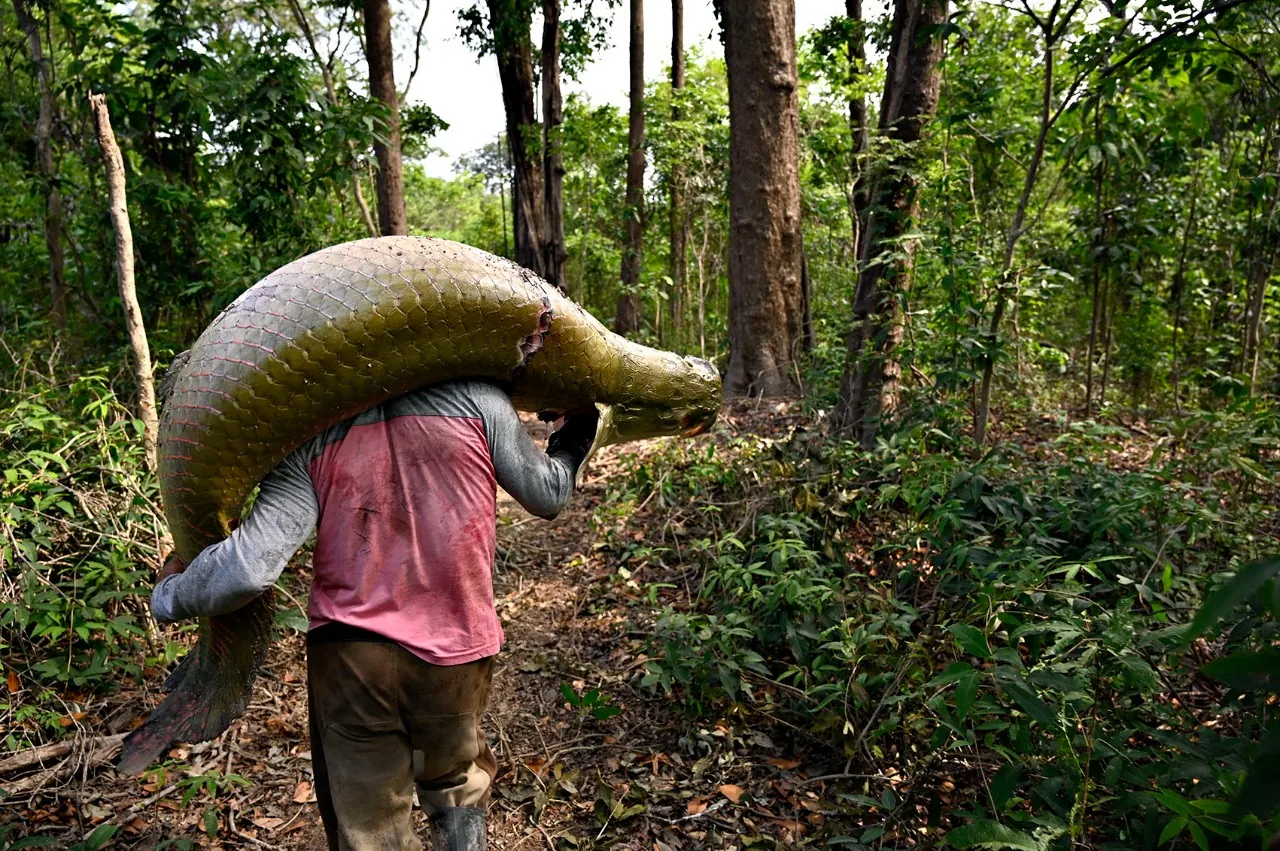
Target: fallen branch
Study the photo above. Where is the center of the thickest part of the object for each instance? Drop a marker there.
(106, 745)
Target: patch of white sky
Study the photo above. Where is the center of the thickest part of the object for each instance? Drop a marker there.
(465, 91)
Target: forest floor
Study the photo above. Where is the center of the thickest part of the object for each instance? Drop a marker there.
(613, 766)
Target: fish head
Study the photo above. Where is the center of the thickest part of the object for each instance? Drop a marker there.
(673, 396)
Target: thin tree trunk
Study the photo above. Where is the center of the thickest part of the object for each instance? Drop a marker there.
(766, 310)
(382, 88)
(627, 320)
(1263, 261)
(331, 91)
(1109, 321)
(1016, 229)
(510, 24)
(124, 273)
(858, 128)
(555, 249)
(678, 227)
(1179, 285)
(870, 385)
(1098, 171)
(45, 163)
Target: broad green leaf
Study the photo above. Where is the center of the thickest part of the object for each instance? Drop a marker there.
(1172, 829)
(971, 640)
(992, 835)
(1247, 670)
(966, 693)
(1247, 581)
(1030, 703)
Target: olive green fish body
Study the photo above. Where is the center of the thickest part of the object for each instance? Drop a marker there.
(333, 334)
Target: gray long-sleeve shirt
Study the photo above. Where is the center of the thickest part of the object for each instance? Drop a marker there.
(403, 501)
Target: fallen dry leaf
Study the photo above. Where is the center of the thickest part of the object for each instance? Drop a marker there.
(787, 764)
(268, 822)
(696, 806)
(732, 792)
(304, 794)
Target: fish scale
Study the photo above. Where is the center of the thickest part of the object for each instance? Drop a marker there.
(332, 334)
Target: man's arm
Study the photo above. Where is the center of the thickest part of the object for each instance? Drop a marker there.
(540, 481)
(232, 572)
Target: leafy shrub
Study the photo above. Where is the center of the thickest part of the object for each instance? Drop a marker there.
(81, 529)
(1025, 610)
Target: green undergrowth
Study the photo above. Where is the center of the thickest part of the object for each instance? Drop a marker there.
(996, 642)
(81, 532)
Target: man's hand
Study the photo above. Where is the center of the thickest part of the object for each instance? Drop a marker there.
(172, 565)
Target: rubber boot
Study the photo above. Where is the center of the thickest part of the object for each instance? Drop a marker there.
(459, 829)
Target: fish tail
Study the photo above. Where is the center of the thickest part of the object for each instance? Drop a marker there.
(209, 689)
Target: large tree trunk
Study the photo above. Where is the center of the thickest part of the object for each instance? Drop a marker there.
(44, 161)
(870, 386)
(382, 87)
(766, 310)
(124, 273)
(678, 227)
(628, 316)
(300, 18)
(555, 250)
(509, 21)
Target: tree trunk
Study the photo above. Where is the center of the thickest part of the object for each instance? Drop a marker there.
(1264, 255)
(382, 88)
(1179, 286)
(509, 21)
(326, 71)
(627, 320)
(766, 310)
(1098, 172)
(678, 228)
(45, 163)
(870, 386)
(124, 273)
(555, 250)
(858, 128)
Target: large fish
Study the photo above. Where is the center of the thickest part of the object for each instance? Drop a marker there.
(335, 333)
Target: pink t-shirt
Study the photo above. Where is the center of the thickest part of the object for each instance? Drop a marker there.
(405, 542)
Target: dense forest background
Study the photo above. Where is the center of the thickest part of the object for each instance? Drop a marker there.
(1011, 263)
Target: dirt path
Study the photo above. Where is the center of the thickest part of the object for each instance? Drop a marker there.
(617, 770)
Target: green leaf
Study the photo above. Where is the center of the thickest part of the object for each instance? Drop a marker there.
(1172, 829)
(971, 640)
(1030, 703)
(990, 834)
(1197, 833)
(1245, 584)
(1260, 793)
(1246, 670)
(966, 693)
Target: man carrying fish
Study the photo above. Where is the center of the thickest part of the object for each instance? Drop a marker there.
(403, 631)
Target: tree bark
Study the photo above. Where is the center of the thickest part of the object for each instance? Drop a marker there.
(509, 20)
(1264, 255)
(766, 310)
(1098, 172)
(676, 215)
(382, 88)
(627, 320)
(858, 128)
(327, 73)
(46, 166)
(871, 384)
(124, 274)
(555, 250)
